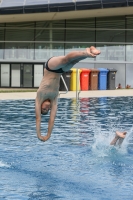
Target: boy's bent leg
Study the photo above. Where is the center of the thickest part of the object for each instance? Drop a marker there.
(56, 62)
(122, 136)
(118, 137)
(61, 61)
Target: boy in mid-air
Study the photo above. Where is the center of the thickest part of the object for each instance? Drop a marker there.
(47, 93)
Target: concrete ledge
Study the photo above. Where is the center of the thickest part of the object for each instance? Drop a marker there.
(99, 93)
(107, 93)
(17, 95)
(71, 94)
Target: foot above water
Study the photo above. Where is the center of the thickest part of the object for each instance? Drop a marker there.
(121, 134)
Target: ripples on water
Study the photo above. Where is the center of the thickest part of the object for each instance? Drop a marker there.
(77, 163)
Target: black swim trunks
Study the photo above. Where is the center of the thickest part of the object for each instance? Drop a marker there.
(55, 71)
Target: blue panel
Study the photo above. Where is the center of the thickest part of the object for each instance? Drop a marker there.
(91, 2)
(61, 5)
(36, 2)
(12, 3)
(61, 1)
(114, 3)
(86, 5)
(88, 1)
(14, 10)
(36, 6)
(36, 9)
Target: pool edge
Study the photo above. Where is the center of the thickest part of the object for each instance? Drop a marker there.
(70, 94)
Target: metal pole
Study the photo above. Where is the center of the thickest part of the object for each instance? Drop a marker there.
(77, 85)
(64, 85)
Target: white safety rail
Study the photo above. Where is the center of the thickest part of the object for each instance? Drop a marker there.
(77, 85)
(64, 85)
(78, 88)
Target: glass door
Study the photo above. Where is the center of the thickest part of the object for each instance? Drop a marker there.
(15, 75)
(5, 75)
(38, 74)
(27, 75)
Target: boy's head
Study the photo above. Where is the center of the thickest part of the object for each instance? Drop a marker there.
(45, 107)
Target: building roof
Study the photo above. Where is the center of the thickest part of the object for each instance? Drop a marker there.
(39, 6)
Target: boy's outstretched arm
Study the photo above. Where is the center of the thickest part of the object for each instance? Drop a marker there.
(50, 123)
(38, 118)
(52, 118)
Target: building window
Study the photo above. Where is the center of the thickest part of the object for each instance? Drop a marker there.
(19, 41)
(109, 37)
(47, 38)
(80, 34)
(2, 30)
(129, 38)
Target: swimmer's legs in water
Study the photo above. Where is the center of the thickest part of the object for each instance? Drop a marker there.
(118, 137)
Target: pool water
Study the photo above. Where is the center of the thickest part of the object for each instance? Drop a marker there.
(77, 162)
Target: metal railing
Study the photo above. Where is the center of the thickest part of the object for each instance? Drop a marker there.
(64, 85)
(77, 85)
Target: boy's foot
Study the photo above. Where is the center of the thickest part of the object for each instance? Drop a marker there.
(121, 134)
(94, 51)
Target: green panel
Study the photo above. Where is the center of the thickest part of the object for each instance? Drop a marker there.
(111, 35)
(106, 33)
(19, 31)
(78, 30)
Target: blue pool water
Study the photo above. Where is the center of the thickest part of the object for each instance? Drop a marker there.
(77, 163)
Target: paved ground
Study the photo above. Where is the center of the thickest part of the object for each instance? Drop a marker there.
(71, 94)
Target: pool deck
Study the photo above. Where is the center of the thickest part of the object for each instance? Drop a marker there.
(70, 94)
